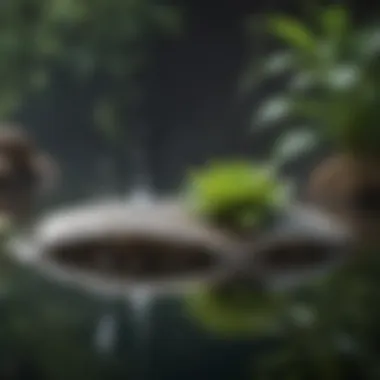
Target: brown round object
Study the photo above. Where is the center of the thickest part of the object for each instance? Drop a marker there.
(23, 171)
(16, 143)
(349, 187)
(331, 183)
(47, 172)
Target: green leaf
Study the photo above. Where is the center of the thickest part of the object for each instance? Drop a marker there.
(292, 32)
(275, 64)
(368, 43)
(294, 144)
(335, 21)
(273, 111)
(279, 63)
(343, 77)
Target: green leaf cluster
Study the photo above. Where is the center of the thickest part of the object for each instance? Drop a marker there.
(332, 80)
(342, 340)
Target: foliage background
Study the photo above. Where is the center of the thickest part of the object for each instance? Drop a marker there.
(188, 113)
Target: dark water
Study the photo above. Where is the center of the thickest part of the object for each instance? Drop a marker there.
(47, 332)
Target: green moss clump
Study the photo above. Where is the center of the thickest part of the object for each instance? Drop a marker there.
(235, 193)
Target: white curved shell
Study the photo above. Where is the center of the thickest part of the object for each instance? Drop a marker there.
(309, 225)
(161, 220)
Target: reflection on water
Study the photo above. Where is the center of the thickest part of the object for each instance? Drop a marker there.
(157, 223)
(106, 334)
(141, 300)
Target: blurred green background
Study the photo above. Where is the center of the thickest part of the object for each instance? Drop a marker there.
(114, 79)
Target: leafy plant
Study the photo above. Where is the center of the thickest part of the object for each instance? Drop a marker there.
(341, 339)
(235, 193)
(332, 83)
